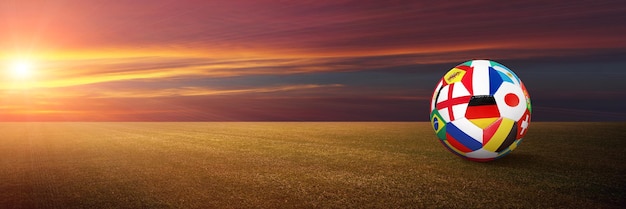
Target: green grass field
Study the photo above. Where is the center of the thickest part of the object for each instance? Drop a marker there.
(302, 165)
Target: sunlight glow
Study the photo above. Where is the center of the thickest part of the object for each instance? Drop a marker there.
(21, 69)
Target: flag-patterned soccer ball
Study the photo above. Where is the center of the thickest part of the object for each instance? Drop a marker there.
(480, 110)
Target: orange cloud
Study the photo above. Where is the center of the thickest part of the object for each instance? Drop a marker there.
(200, 91)
(94, 60)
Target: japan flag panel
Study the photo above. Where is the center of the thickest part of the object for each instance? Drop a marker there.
(511, 101)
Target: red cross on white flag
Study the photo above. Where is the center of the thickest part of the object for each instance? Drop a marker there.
(453, 101)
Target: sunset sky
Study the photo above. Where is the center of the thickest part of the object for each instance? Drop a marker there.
(276, 60)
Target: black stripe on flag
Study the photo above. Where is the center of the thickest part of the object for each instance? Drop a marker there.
(509, 139)
(482, 100)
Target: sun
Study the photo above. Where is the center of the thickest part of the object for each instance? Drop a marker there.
(21, 69)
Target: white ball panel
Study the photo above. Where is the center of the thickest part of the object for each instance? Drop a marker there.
(480, 78)
(434, 98)
(482, 154)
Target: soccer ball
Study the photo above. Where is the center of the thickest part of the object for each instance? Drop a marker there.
(480, 110)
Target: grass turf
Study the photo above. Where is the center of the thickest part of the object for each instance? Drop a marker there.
(302, 165)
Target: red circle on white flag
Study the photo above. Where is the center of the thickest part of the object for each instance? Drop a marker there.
(511, 99)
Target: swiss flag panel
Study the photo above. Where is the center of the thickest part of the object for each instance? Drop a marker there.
(522, 125)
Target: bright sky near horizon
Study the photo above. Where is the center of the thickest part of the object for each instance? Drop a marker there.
(271, 60)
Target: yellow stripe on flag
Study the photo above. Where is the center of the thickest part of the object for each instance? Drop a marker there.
(483, 122)
(454, 75)
(514, 145)
(437, 122)
(500, 135)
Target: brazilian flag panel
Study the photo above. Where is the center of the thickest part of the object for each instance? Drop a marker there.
(438, 124)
